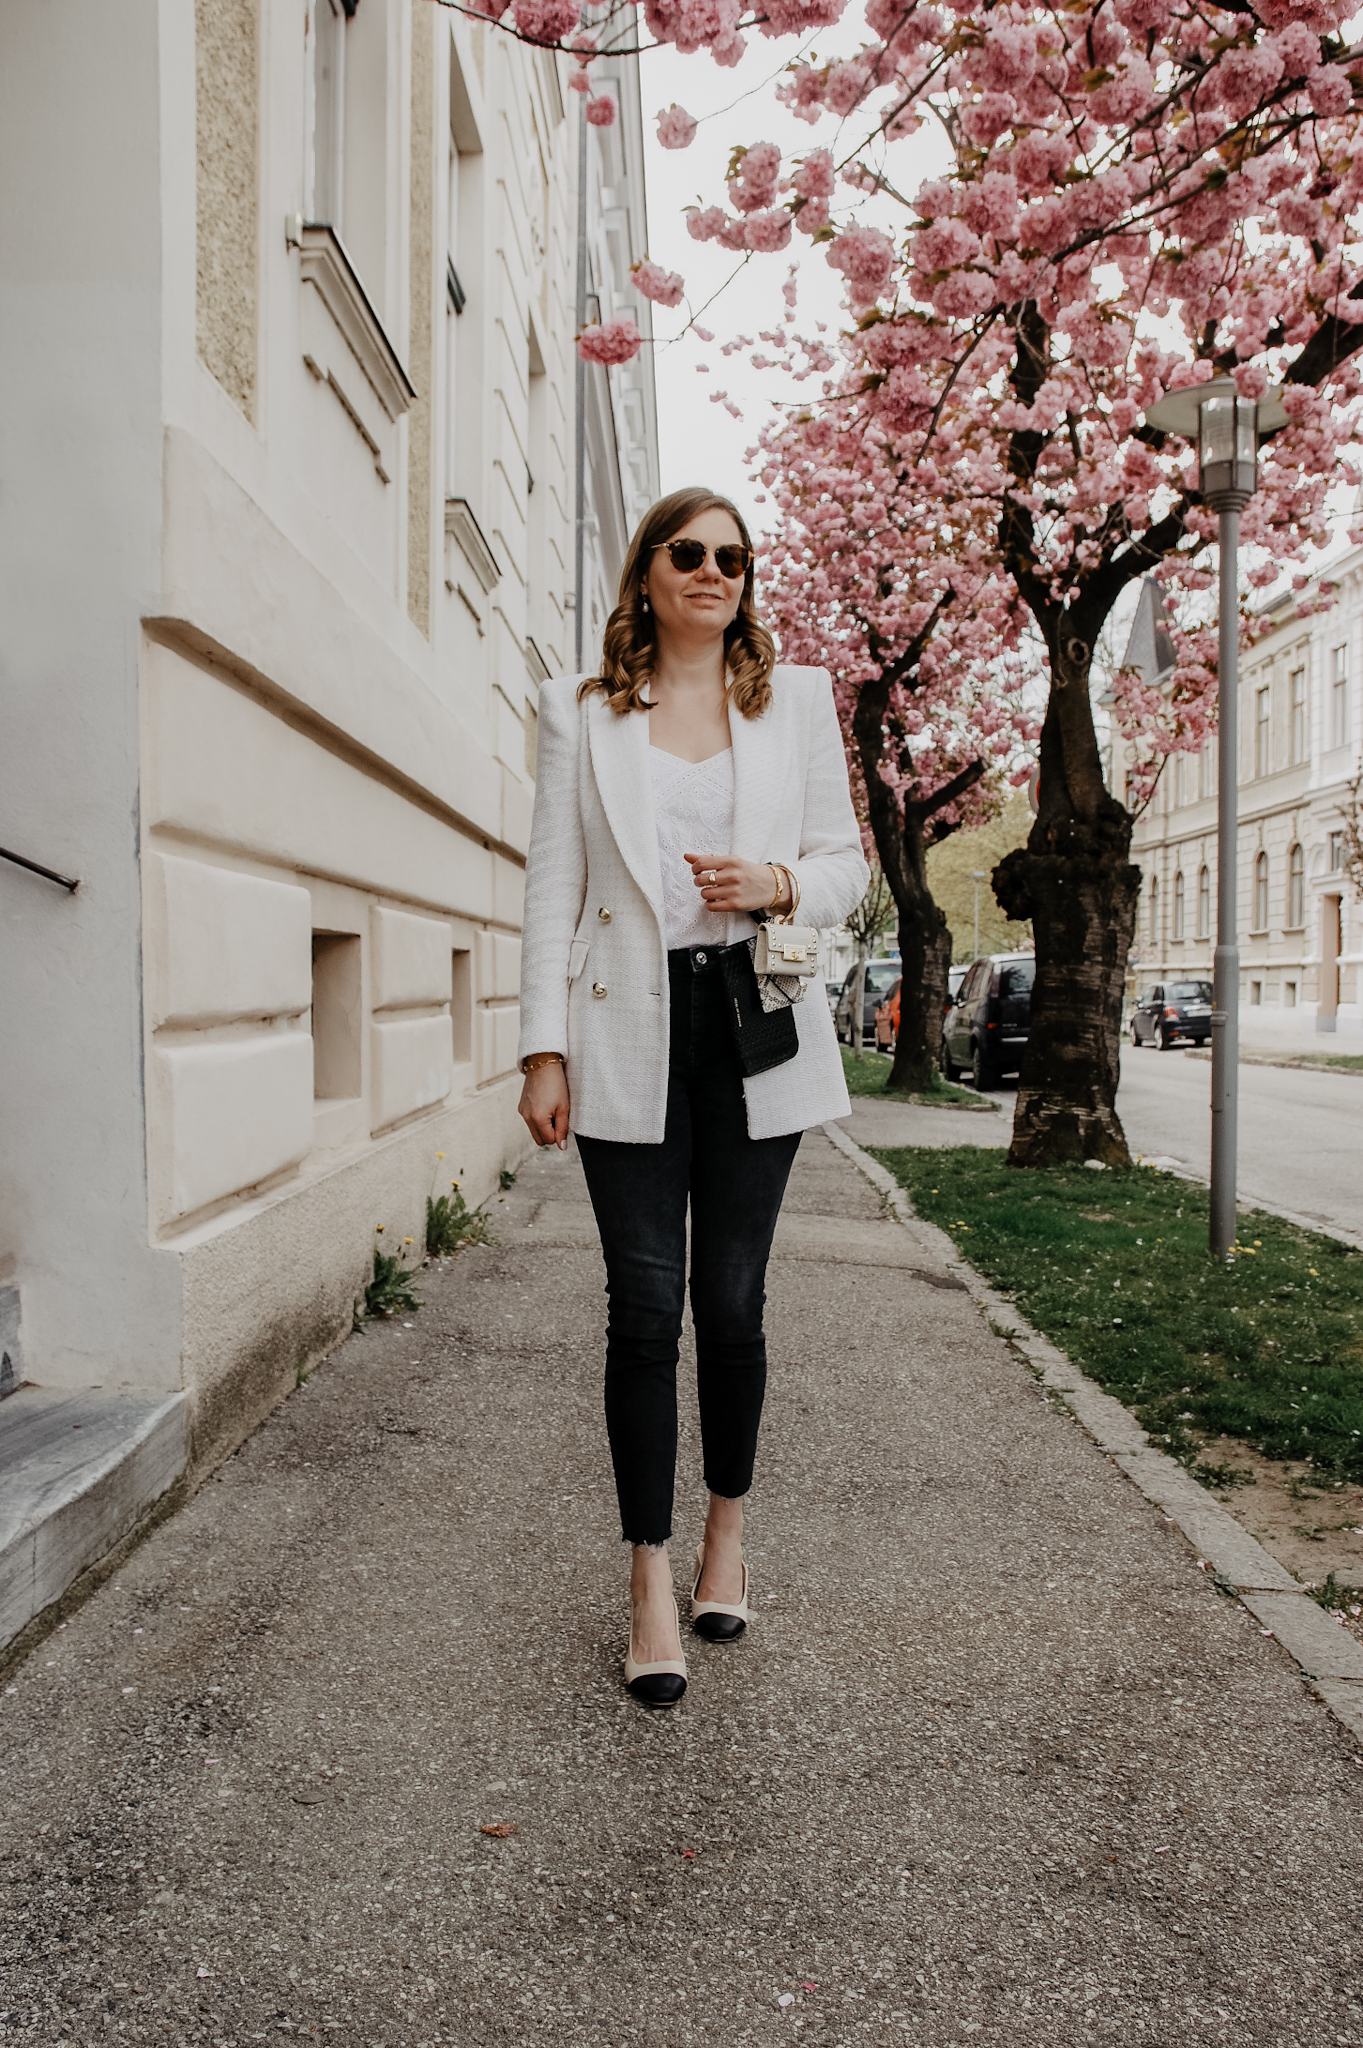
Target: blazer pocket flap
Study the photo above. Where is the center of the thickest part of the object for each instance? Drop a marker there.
(577, 957)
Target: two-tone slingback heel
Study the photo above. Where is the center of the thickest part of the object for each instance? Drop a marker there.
(659, 1684)
(717, 1620)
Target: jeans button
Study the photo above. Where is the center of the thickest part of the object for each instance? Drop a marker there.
(700, 959)
(598, 989)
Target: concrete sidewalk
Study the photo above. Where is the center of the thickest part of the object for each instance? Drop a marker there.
(995, 1762)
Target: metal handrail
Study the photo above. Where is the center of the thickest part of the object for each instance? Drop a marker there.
(36, 867)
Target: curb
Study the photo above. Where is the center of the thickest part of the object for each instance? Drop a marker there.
(1329, 1659)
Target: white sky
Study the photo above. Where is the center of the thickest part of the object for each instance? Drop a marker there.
(701, 443)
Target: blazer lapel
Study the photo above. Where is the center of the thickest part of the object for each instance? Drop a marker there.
(619, 752)
(760, 778)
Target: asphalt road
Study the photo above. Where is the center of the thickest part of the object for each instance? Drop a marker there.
(995, 1763)
(1300, 1133)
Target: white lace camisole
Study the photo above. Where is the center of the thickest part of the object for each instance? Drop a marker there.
(693, 802)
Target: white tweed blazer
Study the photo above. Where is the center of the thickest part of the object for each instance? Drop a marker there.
(594, 961)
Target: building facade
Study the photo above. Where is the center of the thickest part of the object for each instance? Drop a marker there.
(290, 296)
(1301, 742)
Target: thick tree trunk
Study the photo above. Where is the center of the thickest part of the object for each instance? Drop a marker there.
(1074, 879)
(924, 957)
(901, 838)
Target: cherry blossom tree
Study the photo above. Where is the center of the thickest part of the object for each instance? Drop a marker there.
(1132, 196)
(925, 650)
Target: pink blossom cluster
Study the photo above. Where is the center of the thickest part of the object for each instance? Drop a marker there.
(865, 257)
(698, 25)
(610, 341)
(754, 175)
(601, 110)
(676, 128)
(546, 21)
(664, 287)
(863, 578)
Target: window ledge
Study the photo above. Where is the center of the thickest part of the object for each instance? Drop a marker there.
(461, 526)
(325, 265)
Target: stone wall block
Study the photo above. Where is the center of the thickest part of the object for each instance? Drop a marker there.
(238, 1112)
(497, 964)
(224, 945)
(413, 1064)
(411, 960)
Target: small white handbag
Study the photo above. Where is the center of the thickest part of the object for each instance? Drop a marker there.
(787, 949)
(785, 955)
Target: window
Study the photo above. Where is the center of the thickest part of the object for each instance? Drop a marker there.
(1296, 889)
(461, 1005)
(1262, 708)
(1336, 852)
(1154, 913)
(1297, 686)
(350, 176)
(1178, 904)
(1189, 992)
(328, 113)
(1289, 995)
(336, 1016)
(1339, 698)
(1261, 893)
(1207, 764)
(1204, 903)
(1256, 993)
(456, 298)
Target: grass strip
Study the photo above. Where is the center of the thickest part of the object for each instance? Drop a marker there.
(869, 1075)
(1114, 1269)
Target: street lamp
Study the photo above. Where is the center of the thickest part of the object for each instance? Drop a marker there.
(1226, 428)
(977, 875)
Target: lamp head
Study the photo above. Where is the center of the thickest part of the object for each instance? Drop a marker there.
(1226, 428)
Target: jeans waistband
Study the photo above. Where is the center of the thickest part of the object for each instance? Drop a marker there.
(702, 960)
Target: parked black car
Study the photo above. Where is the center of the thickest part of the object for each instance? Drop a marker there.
(881, 975)
(987, 1025)
(1170, 1010)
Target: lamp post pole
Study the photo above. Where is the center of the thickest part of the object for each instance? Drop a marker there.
(977, 875)
(1226, 961)
(1226, 428)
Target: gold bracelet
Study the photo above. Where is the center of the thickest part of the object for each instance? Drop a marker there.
(533, 1060)
(781, 879)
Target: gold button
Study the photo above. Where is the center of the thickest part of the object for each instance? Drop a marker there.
(604, 916)
(598, 988)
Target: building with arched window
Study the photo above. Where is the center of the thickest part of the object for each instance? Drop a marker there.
(1301, 743)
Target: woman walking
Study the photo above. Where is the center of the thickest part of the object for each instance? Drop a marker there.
(689, 791)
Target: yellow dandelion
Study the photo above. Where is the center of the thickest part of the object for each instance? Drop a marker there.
(379, 1228)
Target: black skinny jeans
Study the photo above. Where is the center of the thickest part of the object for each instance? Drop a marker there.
(640, 1192)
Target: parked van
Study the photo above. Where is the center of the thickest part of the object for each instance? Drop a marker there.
(988, 1025)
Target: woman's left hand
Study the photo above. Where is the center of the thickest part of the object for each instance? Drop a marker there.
(737, 885)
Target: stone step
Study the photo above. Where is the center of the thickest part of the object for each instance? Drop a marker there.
(77, 1471)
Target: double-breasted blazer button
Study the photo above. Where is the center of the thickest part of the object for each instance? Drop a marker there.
(604, 916)
(598, 988)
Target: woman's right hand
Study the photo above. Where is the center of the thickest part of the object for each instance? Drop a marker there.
(545, 1103)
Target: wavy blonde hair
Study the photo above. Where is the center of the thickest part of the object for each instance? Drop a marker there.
(629, 645)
